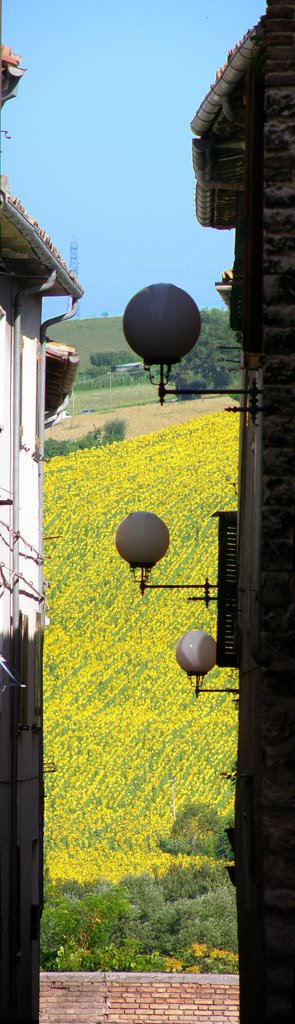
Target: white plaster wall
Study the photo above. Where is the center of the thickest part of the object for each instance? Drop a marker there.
(28, 467)
(5, 471)
(29, 498)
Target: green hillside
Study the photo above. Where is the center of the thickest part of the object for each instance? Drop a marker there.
(121, 718)
(98, 334)
(104, 335)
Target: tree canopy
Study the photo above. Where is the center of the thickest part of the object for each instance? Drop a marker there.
(214, 360)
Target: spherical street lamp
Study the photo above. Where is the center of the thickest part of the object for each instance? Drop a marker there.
(196, 654)
(161, 324)
(142, 539)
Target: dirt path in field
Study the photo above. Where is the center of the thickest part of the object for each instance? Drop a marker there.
(140, 419)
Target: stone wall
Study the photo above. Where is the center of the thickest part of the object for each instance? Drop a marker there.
(106, 998)
(265, 832)
(278, 516)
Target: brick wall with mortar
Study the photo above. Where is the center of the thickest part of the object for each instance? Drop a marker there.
(105, 998)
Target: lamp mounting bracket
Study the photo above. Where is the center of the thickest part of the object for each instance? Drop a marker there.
(251, 392)
(145, 585)
(197, 681)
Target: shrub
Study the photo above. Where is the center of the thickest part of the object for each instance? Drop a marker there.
(140, 925)
(114, 430)
(211, 918)
(75, 930)
(91, 440)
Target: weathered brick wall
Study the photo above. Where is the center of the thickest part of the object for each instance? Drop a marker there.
(101, 998)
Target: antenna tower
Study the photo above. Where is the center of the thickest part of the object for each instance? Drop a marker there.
(74, 266)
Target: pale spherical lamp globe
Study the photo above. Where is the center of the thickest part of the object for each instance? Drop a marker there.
(196, 652)
(142, 539)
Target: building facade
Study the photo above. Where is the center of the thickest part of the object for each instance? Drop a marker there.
(243, 157)
(30, 268)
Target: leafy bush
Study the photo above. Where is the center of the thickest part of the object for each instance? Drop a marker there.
(185, 882)
(167, 921)
(74, 927)
(211, 918)
(198, 957)
(90, 440)
(141, 925)
(114, 430)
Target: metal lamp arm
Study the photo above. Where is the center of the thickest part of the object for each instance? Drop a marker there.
(252, 392)
(207, 587)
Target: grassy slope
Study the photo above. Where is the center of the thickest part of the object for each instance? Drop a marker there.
(114, 399)
(102, 334)
(98, 334)
(120, 716)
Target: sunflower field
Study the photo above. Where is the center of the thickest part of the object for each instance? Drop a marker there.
(121, 719)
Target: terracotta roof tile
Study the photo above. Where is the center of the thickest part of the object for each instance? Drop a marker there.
(14, 201)
(7, 57)
(230, 54)
(227, 77)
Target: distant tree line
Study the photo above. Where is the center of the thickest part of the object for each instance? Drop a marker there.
(214, 360)
(109, 360)
(212, 363)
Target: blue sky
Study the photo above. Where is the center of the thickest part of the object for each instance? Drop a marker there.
(100, 146)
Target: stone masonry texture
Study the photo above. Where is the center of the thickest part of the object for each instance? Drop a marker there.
(126, 998)
(277, 554)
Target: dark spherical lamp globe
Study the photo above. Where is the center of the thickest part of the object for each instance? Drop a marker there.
(161, 324)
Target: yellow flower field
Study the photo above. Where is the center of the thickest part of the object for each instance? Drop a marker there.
(120, 716)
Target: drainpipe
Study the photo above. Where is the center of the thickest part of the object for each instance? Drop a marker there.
(35, 289)
(14, 866)
(41, 428)
(41, 411)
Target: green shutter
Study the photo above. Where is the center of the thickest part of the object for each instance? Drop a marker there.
(227, 590)
(236, 300)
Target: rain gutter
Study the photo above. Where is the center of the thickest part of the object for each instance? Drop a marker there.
(217, 97)
(41, 411)
(40, 458)
(42, 251)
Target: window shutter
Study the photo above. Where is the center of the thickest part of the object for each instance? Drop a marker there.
(227, 654)
(236, 300)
